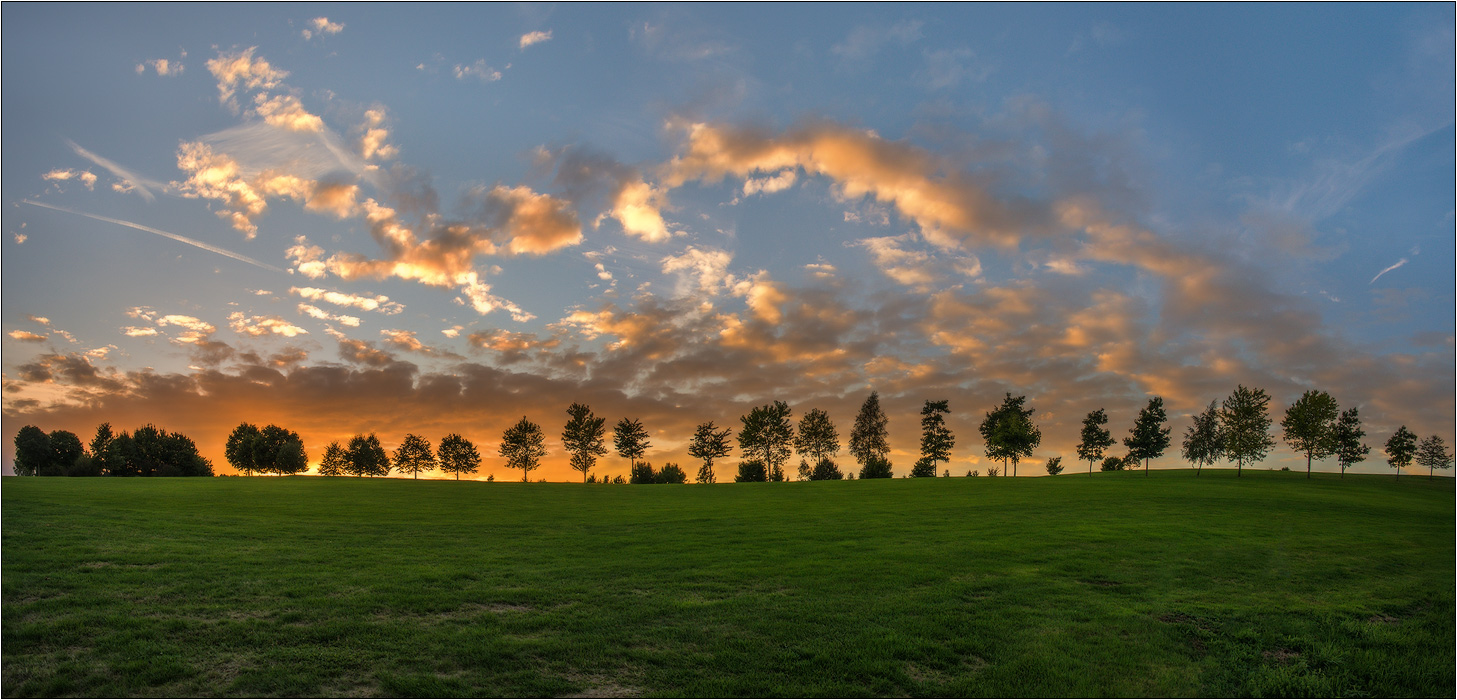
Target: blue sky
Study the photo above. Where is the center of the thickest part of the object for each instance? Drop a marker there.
(439, 219)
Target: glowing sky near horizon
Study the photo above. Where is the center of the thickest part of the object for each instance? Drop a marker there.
(379, 218)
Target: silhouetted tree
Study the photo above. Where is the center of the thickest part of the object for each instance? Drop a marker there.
(876, 467)
(32, 451)
(817, 437)
(582, 438)
(642, 473)
(1245, 421)
(1054, 466)
(869, 437)
(1204, 440)
(100, 446)
(631, 440)
(1095, 438)
(826, 470)
(1111, 464)
(241, 448)
(1400, 449)
(751, 470)
(936, 438)
(923, 468)
(766, 436)
(1310, 424)
(708, 445)
(121, 456)
(1432, 454)
(1009, 433)
(1148, 439)
(1347, 435)
(279, 451)
(66, 451)
(458, 455)
(671, 473)
(366, 457)
(414, 456)
(523, 446)
(151, 451)
(335, 462)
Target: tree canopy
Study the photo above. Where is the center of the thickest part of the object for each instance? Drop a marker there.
(1148, 439)
(631, 440)
(1400, 448)
(1009, 433)
(365, 457)
(1432, 453)
(414, 456)
(1245, 419)
(457, 456)
(936, 438)
(766, 437)
(1095, 438)
(335, 461)
(1204, 440)
(1310, 424)
(709, 444)
(582, 438)
(523, 446)
(1347, 435)
(869, 438)
(817, 437)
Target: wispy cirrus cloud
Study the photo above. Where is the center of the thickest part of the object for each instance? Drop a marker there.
(533, 38)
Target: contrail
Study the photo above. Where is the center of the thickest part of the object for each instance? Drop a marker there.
(181, 239)
(1399, 263)
(138, 181)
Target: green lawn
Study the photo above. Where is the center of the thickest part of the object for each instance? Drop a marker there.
(1112, 584)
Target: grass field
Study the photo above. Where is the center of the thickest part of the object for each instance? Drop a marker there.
(1111, 584)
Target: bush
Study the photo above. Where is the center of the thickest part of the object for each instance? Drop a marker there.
(923, 467)
(1111, 464)
(643, 473)
(672, 474)
(617, 480)
(993, 471)
(1054, 466)
(876, 468)
(751, 470)
(826, 470)
(973, 472)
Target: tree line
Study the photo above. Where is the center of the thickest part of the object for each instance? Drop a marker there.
(1238, 429)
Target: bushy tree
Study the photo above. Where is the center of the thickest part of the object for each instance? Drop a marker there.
(523, 446)
(1009, 433)
(1054, 466)
(1433, 454)
(1111, 464)
(65, 451)
(826, 470)
(631, 440)
(414, 456)
(1310, 424)
(458, 455)
(1245, 420)
(923, 467)
(268, 450)
(642, 473)
(1347, 435)
(100, 447)
(671, 473)
(817, 437)
(766, 437)
(751, 470)
(1400, 449)
(936, 438)
(152, 451)
(876, 467)
(869, 437)
(582, 438)
(708, 445)
(1148, 439)
(1095, 438)
(240, 449)
(365, 457)
(1204, 440)
(335, 462)
(32, 451)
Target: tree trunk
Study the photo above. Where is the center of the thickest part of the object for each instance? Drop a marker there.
(1145, 466)
(1307, 465)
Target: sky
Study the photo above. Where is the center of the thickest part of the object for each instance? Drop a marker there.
(400, 219)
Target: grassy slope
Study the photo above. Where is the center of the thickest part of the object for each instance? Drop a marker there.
(1114, 584)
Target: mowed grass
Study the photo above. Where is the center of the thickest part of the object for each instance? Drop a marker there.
(1106, 585)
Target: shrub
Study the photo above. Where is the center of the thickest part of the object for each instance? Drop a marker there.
(876, 468)
(751, 470)
(923, 467)
(617, 480)
(826, 470)
(1054, 466)
(973, 472)
(642, 473)
(993, 471)
(1111, 464)
(672, 474)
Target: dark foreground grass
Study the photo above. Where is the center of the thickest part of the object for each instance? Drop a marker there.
(1109, 585)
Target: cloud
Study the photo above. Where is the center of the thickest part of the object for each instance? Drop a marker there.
(478, 70)
(130, 181)
(322, 315)
(910, 268)
(238, 69)
(947, 68)
(319, 26)
(702, 270)
(770, 185)
(85, 177)
(534, 38)
(256, 326)
(26, 336)
(285, 111)
(162, 67)
(165, 234)
(362, 302)
(1397, 264)
(865, 41)
(372, 145)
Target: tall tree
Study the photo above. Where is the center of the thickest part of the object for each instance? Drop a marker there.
(335, 462)
(100, 446)
(523, 446)
(366, 457)
(458, 455)
(708, 445)
(869, 437)
(66, 451)
(1433, 454)
(1148, 439)
(1245, 419)
(121, 456)
(1095, 438)
(766, 436)
(414, 456)
(32, 451)
(1400, 448)
(279, 450)
(1204, 440)
(1009, 433)
(936, 438)
(817, 437)
(582, 438)
(1310, 424)
(1348, 434)
(631, 440)
(241, 448)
